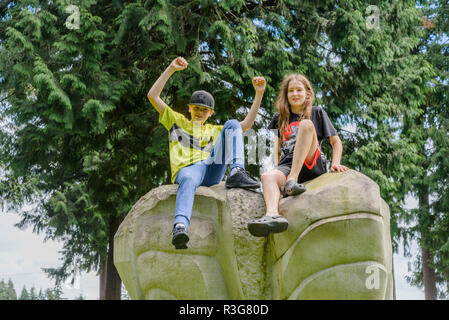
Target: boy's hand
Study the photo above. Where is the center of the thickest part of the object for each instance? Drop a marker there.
(179, 64)
(259, 84)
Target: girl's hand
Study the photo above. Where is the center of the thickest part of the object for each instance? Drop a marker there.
(339, 168)
(259, 84)
(179, 64)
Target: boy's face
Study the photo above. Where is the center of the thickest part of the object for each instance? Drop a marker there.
(199, 113)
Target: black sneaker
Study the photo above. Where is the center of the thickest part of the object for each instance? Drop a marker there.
(240, 179)
(180, 237)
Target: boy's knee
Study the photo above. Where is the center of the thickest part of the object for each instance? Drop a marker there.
(232, 124)
(188, 180)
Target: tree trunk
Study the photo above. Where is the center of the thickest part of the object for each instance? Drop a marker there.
(429, 279)
(103, 282)
(394, 282)
(113, 282)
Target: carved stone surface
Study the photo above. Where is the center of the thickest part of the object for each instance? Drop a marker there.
(337, 246)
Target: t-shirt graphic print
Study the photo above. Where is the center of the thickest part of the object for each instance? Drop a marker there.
(323, 128)
(188, 142)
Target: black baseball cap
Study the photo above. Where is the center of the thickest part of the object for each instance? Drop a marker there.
(202, 98)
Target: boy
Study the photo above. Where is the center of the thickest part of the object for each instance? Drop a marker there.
(197, 150)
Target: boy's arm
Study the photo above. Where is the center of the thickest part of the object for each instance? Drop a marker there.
(154, 94)
(259, 84)
(337, 150)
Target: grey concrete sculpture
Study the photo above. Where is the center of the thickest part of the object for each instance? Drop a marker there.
(337, 246)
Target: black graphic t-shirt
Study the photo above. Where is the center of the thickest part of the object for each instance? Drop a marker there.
(323, 127)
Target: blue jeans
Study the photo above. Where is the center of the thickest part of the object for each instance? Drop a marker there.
(228, 149)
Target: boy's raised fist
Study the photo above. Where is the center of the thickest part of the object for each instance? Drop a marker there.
(179, 64)
(259, 84)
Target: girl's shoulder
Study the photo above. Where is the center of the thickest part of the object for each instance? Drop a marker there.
(317, 109)
(318, 112)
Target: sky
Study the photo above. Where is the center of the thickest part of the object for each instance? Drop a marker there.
(23, 254)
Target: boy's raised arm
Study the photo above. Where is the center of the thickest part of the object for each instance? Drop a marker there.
(259, 85)
(154, 94)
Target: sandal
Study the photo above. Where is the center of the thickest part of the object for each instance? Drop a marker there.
(267, 224)
(293, 188)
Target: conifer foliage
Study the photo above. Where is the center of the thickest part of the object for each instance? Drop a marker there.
(7, 292)
(429, 222)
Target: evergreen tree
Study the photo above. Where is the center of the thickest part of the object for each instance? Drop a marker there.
(3, 291)
(41, 295)
(33, 295)
(438, 174)
(430, 221)
(7, 291)
(24, 295)
(11, 291)
(54, 293)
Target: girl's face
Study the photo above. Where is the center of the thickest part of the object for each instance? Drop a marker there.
(199, 113)
(296, 94)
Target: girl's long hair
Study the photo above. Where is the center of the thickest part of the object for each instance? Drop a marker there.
(284, 107)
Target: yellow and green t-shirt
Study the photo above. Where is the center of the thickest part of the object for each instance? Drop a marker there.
(188, 142)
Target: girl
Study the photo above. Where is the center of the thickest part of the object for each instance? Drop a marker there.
(301, 127)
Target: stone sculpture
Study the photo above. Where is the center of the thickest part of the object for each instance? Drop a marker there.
(337, 246)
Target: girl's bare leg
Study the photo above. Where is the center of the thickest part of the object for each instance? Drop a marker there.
(272, 181)
(305, 147)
